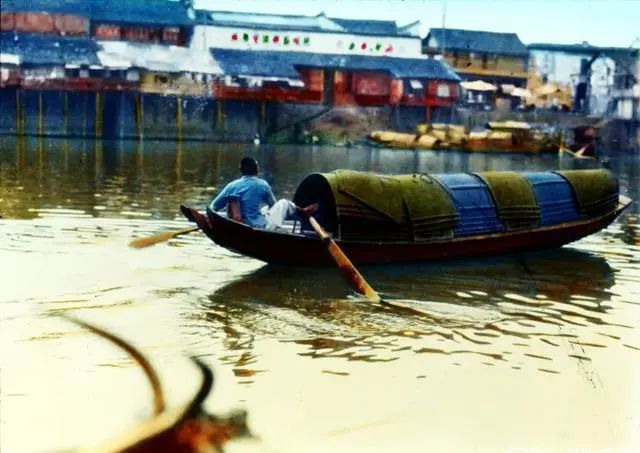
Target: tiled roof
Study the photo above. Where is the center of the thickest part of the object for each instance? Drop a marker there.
(49, 50)
(263, 64)
(267, 21)
(141, 11)
(368, 27)
(169, 12)
(318, 23)
(76, 7)
(284, 64)
(584, 49)
(477, 41)
(163, 12)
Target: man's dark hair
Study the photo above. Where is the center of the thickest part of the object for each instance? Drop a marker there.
(248, 166)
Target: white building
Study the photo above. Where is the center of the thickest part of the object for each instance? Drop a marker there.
(572, 65)
(314, 34)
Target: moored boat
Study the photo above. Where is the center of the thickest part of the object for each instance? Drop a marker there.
(511, 136)
(383, 219)
(506, 136)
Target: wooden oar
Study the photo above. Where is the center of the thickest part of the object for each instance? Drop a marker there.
(160, 237)
(345, 265)
(577, 154)
(352, 274)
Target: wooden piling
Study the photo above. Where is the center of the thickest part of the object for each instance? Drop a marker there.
(97, 162)
(40, 130)
(178, 167)
(219, 114)
(179, 117)
(98, 116)
(84, 113)
(65, 112)
(20, 154)
(19, 113)
(139, 112)
(263, 115)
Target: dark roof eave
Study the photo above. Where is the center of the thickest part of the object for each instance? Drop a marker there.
(399, 68)
(145, 23)
(202, 19)
(479, 41)
(438, 50)
(581, 48)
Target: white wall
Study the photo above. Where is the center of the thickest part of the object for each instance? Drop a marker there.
(208, 36)
(624, 109)
(564, 68)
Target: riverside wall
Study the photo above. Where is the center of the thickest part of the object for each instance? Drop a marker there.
(123, 115)
(137, 115)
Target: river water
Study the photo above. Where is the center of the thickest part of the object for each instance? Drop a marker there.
(534, 352)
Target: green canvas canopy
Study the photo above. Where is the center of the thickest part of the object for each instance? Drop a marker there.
(514, 198)
(365, 206)
(360, 206)
(596, 191)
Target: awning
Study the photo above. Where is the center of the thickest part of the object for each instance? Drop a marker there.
(521, 93)
(113, 61)
(415, 84)
(507, 87)
(7, 58)
(286, 64)
(478, 85)
(296, 82)
(549, 88)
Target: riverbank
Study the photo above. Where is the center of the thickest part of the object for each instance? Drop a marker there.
(135, 115)
(138, 115)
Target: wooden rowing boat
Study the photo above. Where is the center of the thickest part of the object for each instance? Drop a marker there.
(302, 247)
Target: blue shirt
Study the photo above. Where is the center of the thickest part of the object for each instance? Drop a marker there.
(253, 193)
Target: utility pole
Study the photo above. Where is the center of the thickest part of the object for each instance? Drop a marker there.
(444, 18)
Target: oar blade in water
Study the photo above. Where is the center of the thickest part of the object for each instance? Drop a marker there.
(344, 263)
(160, 237)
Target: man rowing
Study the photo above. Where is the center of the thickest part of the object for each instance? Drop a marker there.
(252, 194)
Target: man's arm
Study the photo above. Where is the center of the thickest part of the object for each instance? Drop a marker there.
(220, 201)
(269, 198)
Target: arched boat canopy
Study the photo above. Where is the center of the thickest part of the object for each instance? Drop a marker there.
(596, 191)
(365, 206)
(420, 207)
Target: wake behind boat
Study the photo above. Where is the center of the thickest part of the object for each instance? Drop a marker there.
(420, 217)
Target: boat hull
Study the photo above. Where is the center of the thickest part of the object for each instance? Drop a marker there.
(299, 249)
